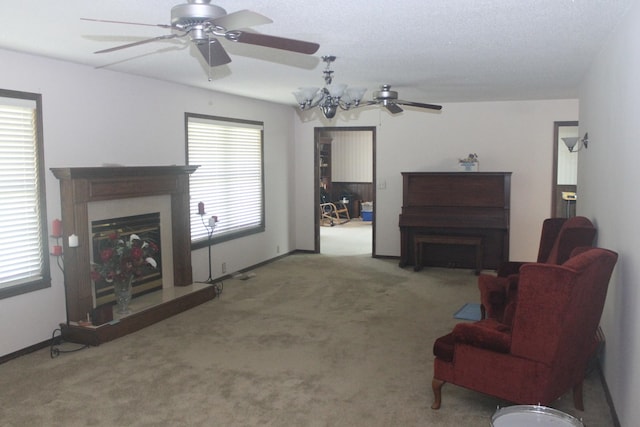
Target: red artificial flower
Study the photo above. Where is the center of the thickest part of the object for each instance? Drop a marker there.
(106, 254)
(136, 253)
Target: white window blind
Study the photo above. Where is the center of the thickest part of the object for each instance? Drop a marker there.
(22, 262)
(229, 180)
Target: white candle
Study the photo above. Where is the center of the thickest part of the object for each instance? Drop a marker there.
(73, 241)
(212, 221)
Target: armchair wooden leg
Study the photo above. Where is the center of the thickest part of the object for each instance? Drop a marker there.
(436, 385)
(577, 396)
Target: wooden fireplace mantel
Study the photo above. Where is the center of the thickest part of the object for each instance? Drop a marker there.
(83, 185)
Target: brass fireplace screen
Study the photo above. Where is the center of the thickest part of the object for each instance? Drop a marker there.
(147, 227)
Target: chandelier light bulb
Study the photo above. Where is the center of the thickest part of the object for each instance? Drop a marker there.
(336, 90)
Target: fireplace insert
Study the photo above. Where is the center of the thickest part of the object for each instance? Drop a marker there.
(147, 227)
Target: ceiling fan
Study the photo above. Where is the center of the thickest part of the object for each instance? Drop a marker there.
(205, 23)
(389, 99)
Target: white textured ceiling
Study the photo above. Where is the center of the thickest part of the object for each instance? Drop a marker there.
(429, 50)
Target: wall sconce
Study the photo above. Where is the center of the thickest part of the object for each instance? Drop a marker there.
(573, 141)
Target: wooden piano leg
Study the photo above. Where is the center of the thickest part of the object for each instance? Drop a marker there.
(417, 256)
(404, 247)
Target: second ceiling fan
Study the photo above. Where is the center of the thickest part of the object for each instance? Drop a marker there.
(389, 99)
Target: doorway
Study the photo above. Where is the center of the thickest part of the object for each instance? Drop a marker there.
(565, 171)
(345, 171)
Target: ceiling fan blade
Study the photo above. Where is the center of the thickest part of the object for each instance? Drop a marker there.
(124, 46)
(273, 42)
(241, 19)
(421, 105)
(125, 22)
(393, 108)
(213, 52)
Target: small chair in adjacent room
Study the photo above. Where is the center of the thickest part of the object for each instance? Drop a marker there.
(332, 213)
(558, 238)
(545, 351)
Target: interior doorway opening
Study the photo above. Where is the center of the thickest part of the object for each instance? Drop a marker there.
(345, 176)
(564, 191)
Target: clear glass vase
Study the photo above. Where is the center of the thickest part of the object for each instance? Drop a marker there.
(122, 292)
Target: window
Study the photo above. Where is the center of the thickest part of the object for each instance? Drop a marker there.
(229, 180)
(24, 261)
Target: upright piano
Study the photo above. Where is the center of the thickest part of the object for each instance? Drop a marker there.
(456, 204)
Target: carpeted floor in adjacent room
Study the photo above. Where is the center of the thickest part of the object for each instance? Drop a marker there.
(310, 340)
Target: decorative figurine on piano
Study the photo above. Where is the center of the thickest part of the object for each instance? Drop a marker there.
(470, 163)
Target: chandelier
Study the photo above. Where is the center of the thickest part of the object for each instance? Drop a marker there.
(331, 96)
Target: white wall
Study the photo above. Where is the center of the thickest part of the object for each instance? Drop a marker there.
(95, 116)
(507, 136)
(608, 177)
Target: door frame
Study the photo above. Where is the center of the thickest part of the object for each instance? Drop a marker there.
(317, 132)
(554, 169)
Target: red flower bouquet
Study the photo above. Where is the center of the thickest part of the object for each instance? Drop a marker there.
(122, 258)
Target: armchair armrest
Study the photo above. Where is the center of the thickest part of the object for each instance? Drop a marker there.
(488, 334)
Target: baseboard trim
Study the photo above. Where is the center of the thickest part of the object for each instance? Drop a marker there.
(24, 351)
(607, 393)
(386, 257)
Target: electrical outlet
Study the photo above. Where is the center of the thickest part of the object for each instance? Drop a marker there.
(224, 267)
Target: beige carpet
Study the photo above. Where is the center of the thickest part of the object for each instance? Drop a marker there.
(351, 238)
(311, 340)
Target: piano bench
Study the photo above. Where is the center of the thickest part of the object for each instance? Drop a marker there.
(420, 240)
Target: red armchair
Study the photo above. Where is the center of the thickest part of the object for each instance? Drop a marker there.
(559, 237)
(545, 352)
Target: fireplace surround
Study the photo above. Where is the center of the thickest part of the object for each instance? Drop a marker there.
(79, 189)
